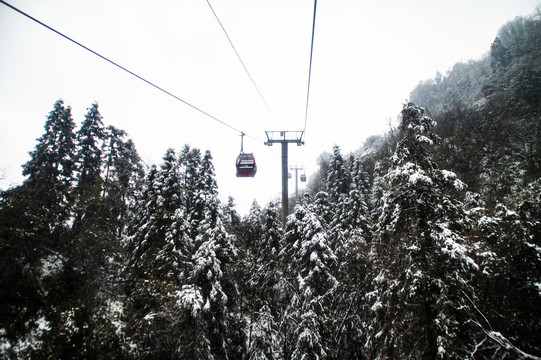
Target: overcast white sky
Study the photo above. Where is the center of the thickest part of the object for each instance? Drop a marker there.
(368, 56)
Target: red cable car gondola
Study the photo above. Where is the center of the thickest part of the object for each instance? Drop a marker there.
(246, 166)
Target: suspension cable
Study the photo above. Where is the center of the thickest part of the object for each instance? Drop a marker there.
(126, 70)
(240, 59)
(310, 67)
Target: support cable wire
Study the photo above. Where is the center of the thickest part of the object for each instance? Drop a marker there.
(242, 62)
(126, 70)
(309, 81)
(310, 67)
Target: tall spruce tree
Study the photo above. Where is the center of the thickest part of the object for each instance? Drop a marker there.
(215, 252)
(159, 262)
(309, 265)
(51, 165)
(267, 260)
(33, 224)
(339, 177)
(123, 171)
(82, 324)
(262, 344)
(351, 232)
(422, 274)
(190, 168)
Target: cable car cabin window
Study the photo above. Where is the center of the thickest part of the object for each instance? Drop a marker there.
(246, 166)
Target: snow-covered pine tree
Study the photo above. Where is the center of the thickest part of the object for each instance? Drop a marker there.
(92, 232)
(90, 140)
(206, 189)
(351, 233)
(160, 262)
(123, 171)
(190, 169)
(309, 264)
(339, 177)
(140, 212)
(422, 265)
(80, 294)
(232, 219)
(263, 271)
(323, 207)
(51, 165)
(510, 284)
(263, 344)
(352, 220)
(214, 253)
(33, 225)
(247, 275)
(269, 248)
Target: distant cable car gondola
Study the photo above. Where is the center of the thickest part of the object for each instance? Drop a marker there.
(303, 178)
(246, 166)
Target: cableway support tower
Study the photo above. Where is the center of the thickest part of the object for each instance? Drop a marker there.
(285, 138)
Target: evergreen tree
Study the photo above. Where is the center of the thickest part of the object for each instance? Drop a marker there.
(232, 219)
(269, 248)
(511, 299)
(339, 178)
(190, 170)
(51, 165)
(90, 139)
(33, 222)
(323, 206)
(309, 269)
(84, 297)
(123, 171)
(160, 262)
(215, 251)
(262, 344)
(208, 188)
(248, 270)
(422, 273)
(264, 271)
(351, 233)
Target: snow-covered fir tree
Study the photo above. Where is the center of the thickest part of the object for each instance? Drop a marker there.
(34, 222)
(123, 171)
(51, 165)
(263, 340)
(339, 177)
(190, 168)
(160, 261)
(422, 264)
(90, 138)
(214, 254)
(511, 278)
(309, 265)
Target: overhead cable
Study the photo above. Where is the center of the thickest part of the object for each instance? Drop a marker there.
(242, 62)
(310, 67)
(126, 70)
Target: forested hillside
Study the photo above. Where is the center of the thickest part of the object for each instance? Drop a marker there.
(425, 244)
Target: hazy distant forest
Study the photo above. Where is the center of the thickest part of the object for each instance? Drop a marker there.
(423, 244)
